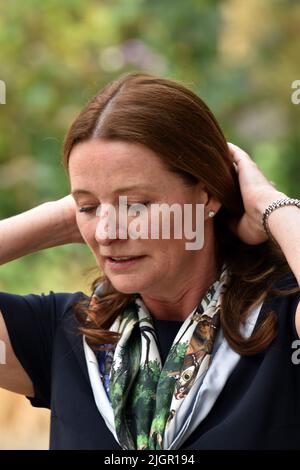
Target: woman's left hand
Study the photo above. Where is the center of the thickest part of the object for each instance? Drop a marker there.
(257, 193)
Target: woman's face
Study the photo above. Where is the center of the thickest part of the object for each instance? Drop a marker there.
(101, 171)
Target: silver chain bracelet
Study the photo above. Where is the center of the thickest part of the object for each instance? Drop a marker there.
(273, 206)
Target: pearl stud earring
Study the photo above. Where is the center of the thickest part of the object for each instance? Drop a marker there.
(211, 213)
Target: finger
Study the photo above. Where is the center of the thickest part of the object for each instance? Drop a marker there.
(237, 153)
(242, 161)
(233, 154)
(235, 166)
(247, 169)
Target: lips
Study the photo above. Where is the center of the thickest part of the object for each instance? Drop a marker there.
(123, 262)
(123, 258)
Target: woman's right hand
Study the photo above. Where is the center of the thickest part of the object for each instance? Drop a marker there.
(67, 206)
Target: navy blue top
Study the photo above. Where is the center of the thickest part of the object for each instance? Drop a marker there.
(166, 330)
(259, 407)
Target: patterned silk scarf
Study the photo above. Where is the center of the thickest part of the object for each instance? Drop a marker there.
(145, 397)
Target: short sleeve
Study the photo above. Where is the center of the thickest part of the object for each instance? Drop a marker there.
(32, 321)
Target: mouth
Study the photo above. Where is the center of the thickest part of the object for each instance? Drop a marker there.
(123, 262)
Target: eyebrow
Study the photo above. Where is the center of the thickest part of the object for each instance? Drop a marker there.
(78, 192)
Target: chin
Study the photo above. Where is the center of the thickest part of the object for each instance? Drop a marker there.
(127, 285)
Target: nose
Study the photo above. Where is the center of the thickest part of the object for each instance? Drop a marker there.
(103, 233)
(101, 238)
(107, 228)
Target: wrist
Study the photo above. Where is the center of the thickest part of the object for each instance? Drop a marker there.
(53, 223)
(273, 207)
(268, 199)
(65, 214)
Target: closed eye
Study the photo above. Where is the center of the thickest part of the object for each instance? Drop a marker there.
(87, 209)
(136, 206)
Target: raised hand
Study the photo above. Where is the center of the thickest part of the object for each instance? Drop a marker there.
(257, 193)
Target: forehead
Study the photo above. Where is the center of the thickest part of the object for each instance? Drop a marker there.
(114, 162)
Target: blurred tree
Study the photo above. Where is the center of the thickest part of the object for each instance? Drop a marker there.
(55, 55)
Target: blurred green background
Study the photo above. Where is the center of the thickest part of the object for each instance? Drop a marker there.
(240, 57)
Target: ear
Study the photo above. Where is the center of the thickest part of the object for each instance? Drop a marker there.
(210, 202)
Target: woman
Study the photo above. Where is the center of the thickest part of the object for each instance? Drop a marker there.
(176, 348)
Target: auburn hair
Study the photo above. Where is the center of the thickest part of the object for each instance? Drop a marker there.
(177, 125)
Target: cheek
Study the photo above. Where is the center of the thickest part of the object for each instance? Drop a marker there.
(168, 253)
(87, 230)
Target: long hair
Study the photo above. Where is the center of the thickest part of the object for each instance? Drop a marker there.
(178, 126)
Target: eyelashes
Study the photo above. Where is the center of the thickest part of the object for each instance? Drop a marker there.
(136, 205)
(86, 209)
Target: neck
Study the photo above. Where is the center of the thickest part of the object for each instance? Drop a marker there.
(180, 302)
